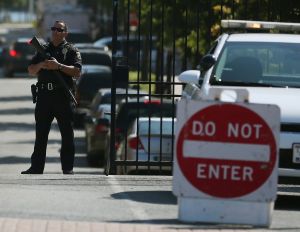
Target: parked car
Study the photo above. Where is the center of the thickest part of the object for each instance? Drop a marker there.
(95, 57)
(17, 56)
(91, 68)
(86, 87)
(2, 49)
(133, 108)
(97, 121)
(266, 65)
(103, 96)
(96, 129)
(79, 37)
(132, 46)
(148, 139)
(82, 46)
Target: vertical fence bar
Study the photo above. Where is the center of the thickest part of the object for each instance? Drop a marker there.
(184, 65)
(210, 15)
(150, 78)
(257, 12)
(126, 98)
(111, 163)
(246, 9)
(198, 34)
(233, 9)
(161, 76)
(138, 76)
(173, 79)
(221, 14)
(280, 11)
(268, 9)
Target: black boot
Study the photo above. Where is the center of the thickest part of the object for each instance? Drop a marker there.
(68, 172)
(32, 171)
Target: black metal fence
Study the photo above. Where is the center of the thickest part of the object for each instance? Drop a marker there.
(153, 42)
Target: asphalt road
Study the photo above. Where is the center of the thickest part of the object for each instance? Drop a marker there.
(89, 195)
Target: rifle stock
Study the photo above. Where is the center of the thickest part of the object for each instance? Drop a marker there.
(40, 49)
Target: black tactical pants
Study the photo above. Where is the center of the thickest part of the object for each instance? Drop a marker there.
(53, 104)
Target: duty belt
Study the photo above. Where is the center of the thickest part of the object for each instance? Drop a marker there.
(48, 86)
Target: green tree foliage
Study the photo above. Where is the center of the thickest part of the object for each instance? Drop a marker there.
(192, 25)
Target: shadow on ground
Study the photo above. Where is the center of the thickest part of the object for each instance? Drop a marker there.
(153, 197)
(19, 111)
(16, 98)
(288, 202)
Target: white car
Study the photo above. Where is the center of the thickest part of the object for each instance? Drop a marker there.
(148, 139)
(265, 64)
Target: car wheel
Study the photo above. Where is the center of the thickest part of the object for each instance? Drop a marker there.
(121, 170)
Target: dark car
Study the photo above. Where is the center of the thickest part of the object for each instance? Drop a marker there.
(3, 50)
(95, 57)
(96, 122)
(86, 87)
(79, 37)
(129, 110)
(131, 46)
(18, 56)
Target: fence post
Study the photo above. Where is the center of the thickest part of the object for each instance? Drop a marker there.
(111, 163)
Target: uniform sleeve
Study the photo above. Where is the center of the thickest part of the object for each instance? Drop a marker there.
(76, 58)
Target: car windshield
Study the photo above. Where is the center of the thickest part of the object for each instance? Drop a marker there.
(90, 83)
(258, 64)
(156, 127)
(95, 58)
(130, 111)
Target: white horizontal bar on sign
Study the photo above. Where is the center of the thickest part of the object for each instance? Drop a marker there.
(226, 151)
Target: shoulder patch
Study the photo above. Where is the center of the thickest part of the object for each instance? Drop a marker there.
(78, 54)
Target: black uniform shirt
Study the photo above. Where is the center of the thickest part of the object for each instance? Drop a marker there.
(64, 53)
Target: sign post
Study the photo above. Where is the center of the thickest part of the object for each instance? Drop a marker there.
(225, 166)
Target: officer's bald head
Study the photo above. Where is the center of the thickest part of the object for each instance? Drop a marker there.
(65, 27)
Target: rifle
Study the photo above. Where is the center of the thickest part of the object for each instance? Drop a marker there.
(39, 48)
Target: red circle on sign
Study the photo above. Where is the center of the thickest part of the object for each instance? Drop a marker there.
(226, 178)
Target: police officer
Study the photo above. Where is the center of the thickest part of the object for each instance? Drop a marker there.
(53, 101)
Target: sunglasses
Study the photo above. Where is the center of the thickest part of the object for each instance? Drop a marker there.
(57, 29)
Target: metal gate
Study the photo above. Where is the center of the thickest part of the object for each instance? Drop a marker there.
(153, 42)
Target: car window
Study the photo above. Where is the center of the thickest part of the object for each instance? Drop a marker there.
(107, 42)
(79, 37)
(91, 80)
(95, 58)
(156, 127)
(90, 83)
(271, 63)
(129, 112)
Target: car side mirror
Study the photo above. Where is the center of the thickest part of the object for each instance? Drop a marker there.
(190, 77)
(207, 62)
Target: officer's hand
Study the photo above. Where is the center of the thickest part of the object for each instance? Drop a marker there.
(42, 65)
(51, 64)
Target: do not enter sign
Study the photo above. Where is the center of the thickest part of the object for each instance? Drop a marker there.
(226, 150)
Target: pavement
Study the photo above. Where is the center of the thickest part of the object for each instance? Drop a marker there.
(54, 202)
(24, 225)
(89, 200)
